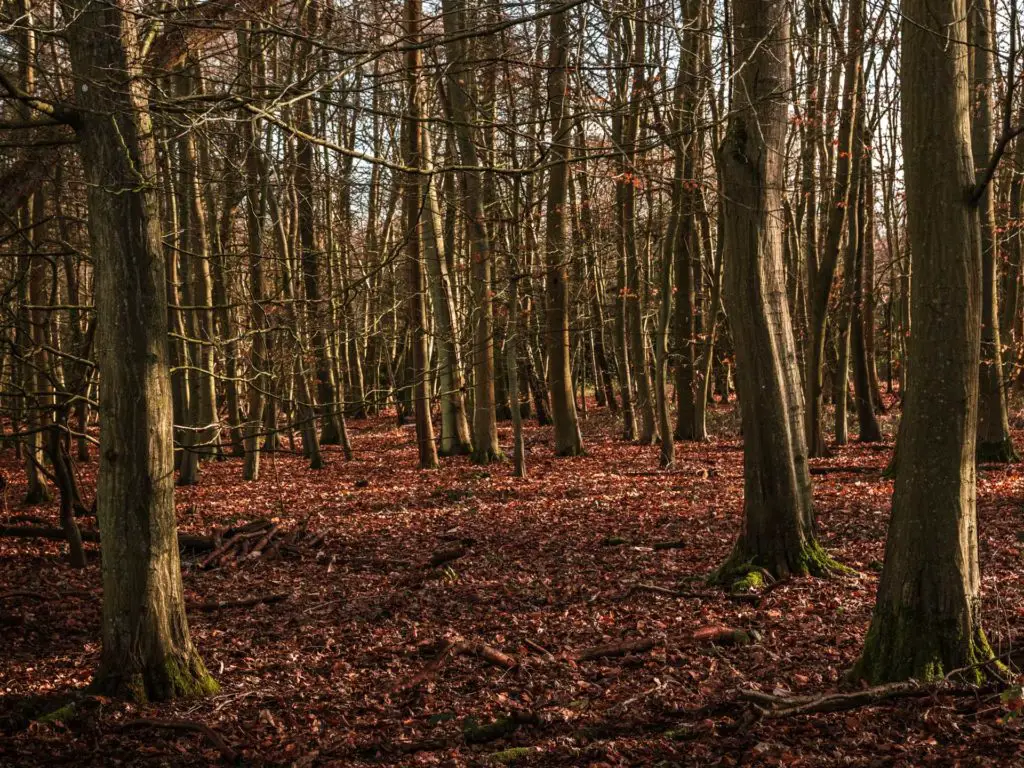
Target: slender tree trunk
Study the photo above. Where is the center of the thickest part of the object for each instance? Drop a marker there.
(415, 196)
(994, 442)
(568, 440)
(821, 272)
(461, 105)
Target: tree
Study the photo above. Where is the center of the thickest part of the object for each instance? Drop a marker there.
(994, 442)
(415, 203)
(147, 651)
(568, 441)
(778, 523)
(926, 620)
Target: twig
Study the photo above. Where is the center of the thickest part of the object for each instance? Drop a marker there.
(544, 652)
(618, 649)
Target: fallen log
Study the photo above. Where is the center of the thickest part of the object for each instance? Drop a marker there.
(188, 725)
(186, 541)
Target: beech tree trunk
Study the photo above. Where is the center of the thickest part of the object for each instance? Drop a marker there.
(415, 203)
(994, 440)
(568, 440)
(926, 618)
(147, 652)
(778, 526)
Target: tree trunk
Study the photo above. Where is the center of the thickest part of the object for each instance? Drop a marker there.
(147, 652)
(778, 527)
(994, 442)
(568, 441)
(926, 618)
(415, 198)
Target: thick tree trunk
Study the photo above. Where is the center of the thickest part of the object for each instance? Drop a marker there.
(147, 652)
(778, 527)
(926, 621)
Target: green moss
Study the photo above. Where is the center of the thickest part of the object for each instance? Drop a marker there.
(189, 679)
(174, 678)
(509, 756)
(813, 560)
(738, 571)
(753, 581)
(904, 646)
(475, 732)
(64, 714)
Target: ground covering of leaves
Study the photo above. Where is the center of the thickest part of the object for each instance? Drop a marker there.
(351, 670)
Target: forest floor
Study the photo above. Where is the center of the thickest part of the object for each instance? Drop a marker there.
(356, 666)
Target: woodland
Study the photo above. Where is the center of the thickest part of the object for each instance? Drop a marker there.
(466, 382)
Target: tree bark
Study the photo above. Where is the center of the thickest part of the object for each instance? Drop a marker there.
(926, 621)
(568, 440)
(147, 652)
(778, 527)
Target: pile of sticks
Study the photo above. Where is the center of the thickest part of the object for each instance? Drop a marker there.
(259, 540)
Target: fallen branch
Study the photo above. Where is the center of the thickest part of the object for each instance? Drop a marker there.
(185, 541)
(739, 598)
(544, 652)
(772, 706)
(188, 725)
(24, 593)
(828, 470)
(618, 649)
(486, 652)
(673, 544)
(216, 605)
(457, 648)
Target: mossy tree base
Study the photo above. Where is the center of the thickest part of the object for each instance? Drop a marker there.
(173, 678)
(1000, 452)
(914, 646)
(746, 570)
